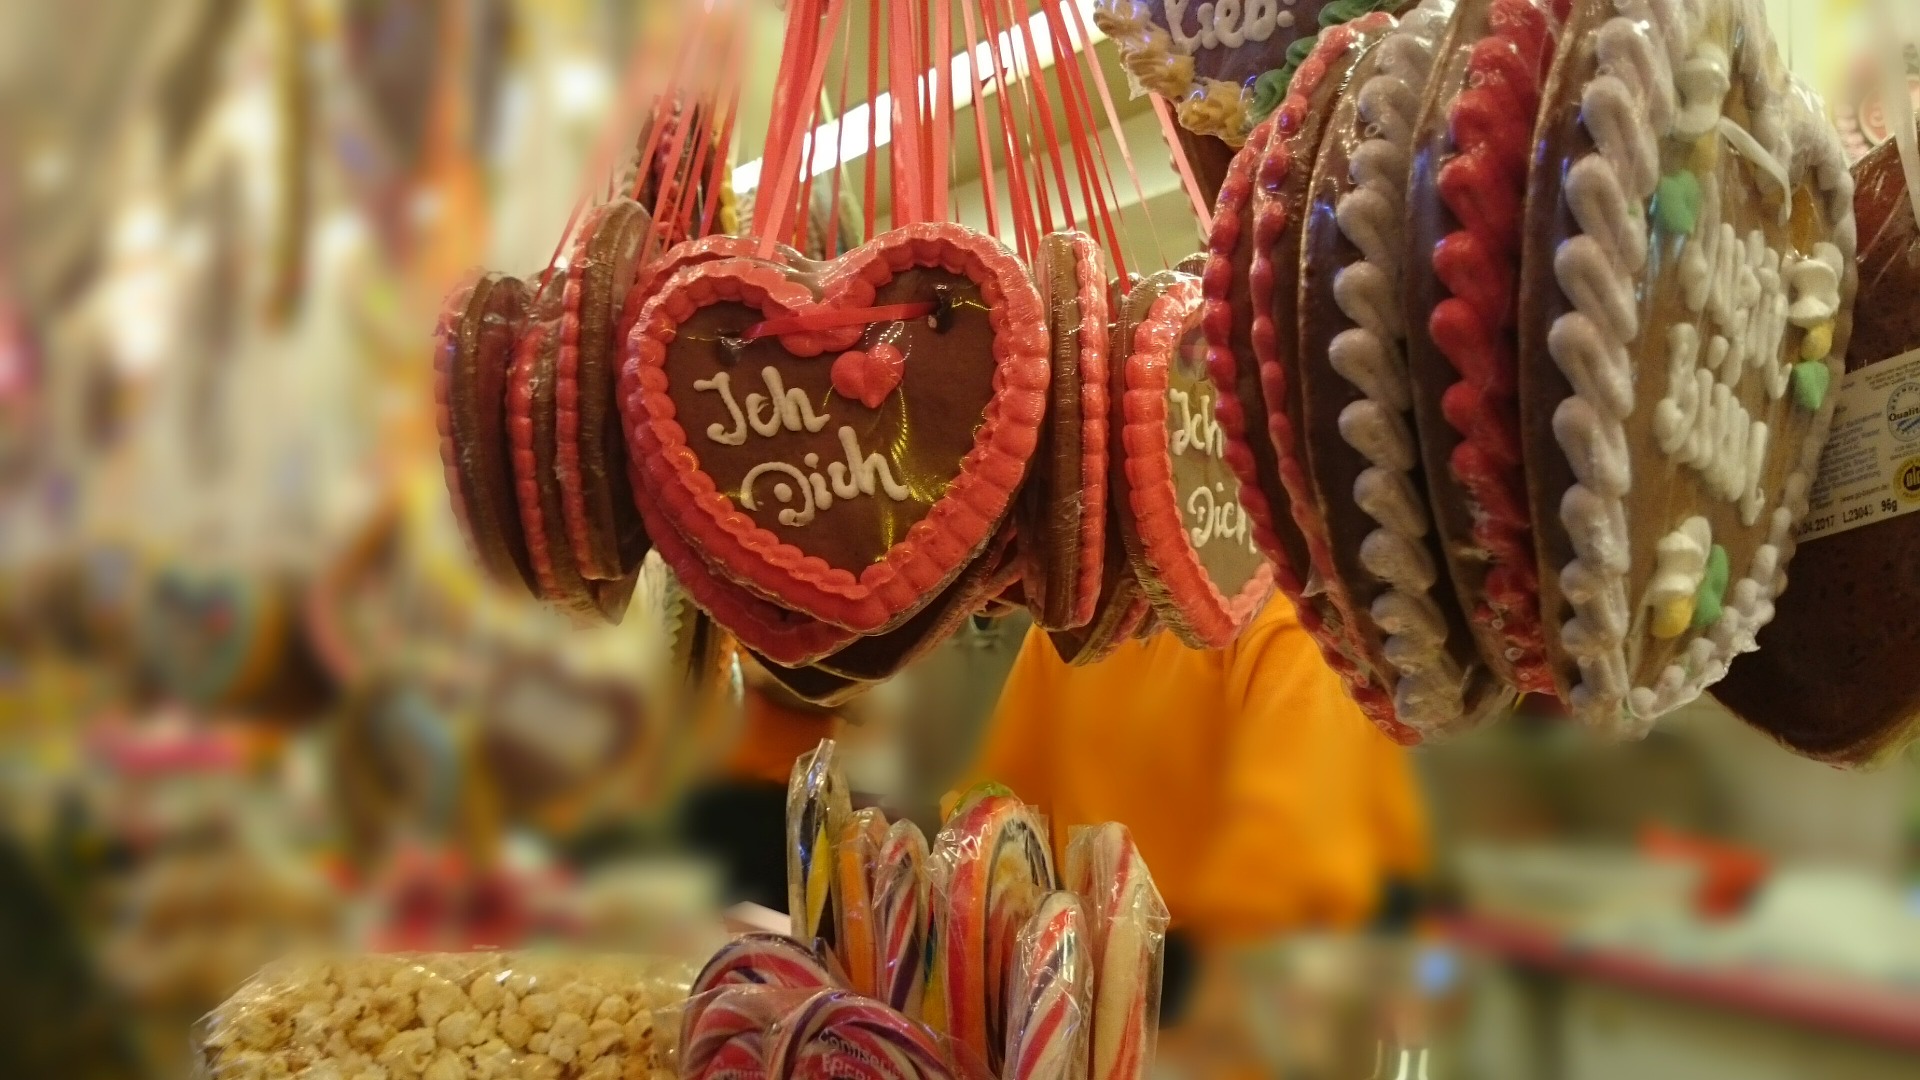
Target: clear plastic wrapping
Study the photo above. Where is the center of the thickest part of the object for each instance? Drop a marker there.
(1050, 998)
(747, 1030)
(901, 917)
(1128, 924)
(449, 1017)
(818, 806)
(856, 940)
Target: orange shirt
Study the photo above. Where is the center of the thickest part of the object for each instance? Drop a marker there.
(1261, 798)
(773, 736)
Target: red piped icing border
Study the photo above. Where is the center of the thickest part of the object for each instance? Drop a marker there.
(567, 392)
(526, 481)
(1223, 365)
(1484, 186)
(1091, 273)
(1275, 161)
(954, 528)
(1209, 617)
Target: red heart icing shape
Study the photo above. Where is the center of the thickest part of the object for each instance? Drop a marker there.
(743, 444)
(869, 376)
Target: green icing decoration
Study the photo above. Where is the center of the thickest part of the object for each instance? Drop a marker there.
(1713, 590)
(1810, 381)
(1270, 89)
(1677, 203)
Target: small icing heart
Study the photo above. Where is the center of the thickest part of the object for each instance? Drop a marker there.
(868, 377)
(1677, 203)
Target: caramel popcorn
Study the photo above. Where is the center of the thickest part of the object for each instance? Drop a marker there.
(482, 1016)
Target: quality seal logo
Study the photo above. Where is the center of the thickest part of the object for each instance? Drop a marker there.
(1903, 412)
(1906, 479)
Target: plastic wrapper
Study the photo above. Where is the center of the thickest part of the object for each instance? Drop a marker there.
(449, 1017)
(856, 857)
(838, 1034)
(818, 806)
(1050, 1000)
(1817, 684)
(901, 917)
(995, 866)
(1128, 924)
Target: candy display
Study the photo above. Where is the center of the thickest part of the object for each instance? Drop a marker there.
(446, 1015)
(1689, 267)
(1509, 362)
(1050, 1002)
(981, 965)
(1128, 923)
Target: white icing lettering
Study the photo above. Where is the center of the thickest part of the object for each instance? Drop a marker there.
(1198, 430)
(722, 384)
(1226, 24)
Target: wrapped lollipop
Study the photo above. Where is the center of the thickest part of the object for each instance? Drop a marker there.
(817, 810)
(840, 1034)
(997, 867)
(1129, 929)
(1050, 1001)
(761, 961)
(900, 917)
(728, 1033)
(856, 941)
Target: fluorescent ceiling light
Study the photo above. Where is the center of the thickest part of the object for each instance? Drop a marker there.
(829, 151)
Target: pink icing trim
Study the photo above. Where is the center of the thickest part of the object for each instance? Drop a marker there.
(1211, 617)
(566, 398)
(1484, 186)
(526, 355)
(937, 546)
(1094, 330)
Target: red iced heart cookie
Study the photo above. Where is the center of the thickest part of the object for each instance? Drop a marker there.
(868, 376)
(850, 515)
(1180, 514)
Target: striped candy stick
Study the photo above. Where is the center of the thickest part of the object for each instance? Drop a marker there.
(817, 809)
(759, 961)
(728, 1034)
(997, 867)
(900, 917)
(838, 1034)
(1050, 1017)
(1129, 924)
(857, 940)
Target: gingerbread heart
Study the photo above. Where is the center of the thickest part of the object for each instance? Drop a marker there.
(602, 527)
(1180, 514)
(1461, 298)
(474, 349)
(1668, 460)
(1063, 508)
(853, 515)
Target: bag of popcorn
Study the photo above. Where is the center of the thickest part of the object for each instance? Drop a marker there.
(450, 1016)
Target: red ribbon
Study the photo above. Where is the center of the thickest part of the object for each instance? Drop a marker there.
(835, 318)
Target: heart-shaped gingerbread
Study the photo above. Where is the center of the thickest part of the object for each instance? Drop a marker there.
(853, 515)
(1180, 514)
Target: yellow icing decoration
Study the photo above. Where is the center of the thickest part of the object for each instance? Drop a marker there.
(1671, 618)
(1219, 109)
(1818, 343)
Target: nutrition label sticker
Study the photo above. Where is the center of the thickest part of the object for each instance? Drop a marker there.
(1871, 469)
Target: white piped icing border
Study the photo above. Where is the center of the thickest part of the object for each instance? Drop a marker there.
(1372, 356)
(1656, 78)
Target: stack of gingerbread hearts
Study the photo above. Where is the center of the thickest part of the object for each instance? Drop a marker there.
(535, 458)
(1521, 316)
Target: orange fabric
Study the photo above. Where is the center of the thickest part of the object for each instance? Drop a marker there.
(773, 736)
(1261, 797)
